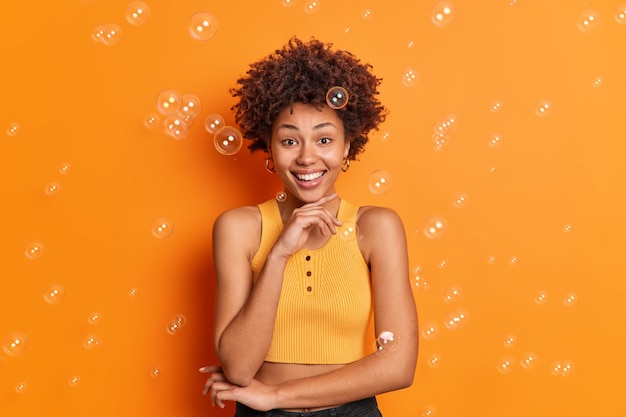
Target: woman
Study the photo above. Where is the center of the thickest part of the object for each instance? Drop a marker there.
(294, 296)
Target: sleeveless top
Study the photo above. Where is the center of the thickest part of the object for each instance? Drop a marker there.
(326, 302)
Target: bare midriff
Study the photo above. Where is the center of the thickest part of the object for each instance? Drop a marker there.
(274, 373)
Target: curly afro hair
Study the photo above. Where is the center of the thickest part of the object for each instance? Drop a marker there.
(303, 73)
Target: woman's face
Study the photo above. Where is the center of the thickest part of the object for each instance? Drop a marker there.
(308, 148)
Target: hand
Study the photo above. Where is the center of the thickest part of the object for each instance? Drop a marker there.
(256, 395)
(302, 221)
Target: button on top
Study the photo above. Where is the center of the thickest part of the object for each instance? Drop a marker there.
(308, 273)
(308, 258)
(309, 289)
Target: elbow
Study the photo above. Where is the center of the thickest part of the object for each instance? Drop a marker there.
(239, 378)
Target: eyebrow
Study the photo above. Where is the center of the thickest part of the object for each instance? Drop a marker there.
(316, 127)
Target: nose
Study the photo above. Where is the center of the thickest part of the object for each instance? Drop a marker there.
(307, 155)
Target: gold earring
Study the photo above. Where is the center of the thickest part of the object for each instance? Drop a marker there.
(269, 169)
(346, 164)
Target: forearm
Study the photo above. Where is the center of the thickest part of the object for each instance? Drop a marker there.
(244, 343)
(372, 375)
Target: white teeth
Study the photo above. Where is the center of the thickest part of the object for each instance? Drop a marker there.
(309, 177)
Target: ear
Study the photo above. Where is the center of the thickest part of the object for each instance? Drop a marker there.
(346, 150)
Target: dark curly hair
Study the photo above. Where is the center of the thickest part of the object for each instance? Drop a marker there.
(302, 73)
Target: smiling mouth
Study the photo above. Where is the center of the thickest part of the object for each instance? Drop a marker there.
(309, 177)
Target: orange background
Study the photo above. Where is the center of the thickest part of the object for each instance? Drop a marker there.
(534, 228)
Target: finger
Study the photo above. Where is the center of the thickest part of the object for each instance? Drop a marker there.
(210, 368)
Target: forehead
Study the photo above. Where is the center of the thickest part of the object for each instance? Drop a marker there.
(307, 115)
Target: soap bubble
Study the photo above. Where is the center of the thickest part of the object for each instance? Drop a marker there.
(64, 169)
(598, 81)
(429, 411)
(588, 21)
(495, 140)
(529, 360)
(442, 13)
(228, 140)
(202, 26)
(513, 260)
(169, 102)
(289, 3)
(386, 342)
(433, 361)
(52, 188)
(456, 320)
(180, 319)
(435, 227)
(132, 292)
(173, 327)
(34, 250)
(91, 341)
(74, 381)
(213, 123)
(348, 231)
(155, 372)
(460, 200)
(337, 97)
(14, 129)
(410, 77)
(111, 34)
(366, 14)
(97, 33)
(379, 182)
(544, 108)
(496, 107)
(510, 340)
(562, 368)
(385, 136)
(541, 297)
(421, 283)
(570, 299)
(137, 13)
(442, 129)
(452, 295)
(506, 365)
(14, 344)
(152, 120)
(162, 228)
(430, 330)
(567, 228)
(94, 318)
(175, 126)
(21, 387)
(54, 294)
(312, 6)
(281, 196)
(190, 108)
(620, 14)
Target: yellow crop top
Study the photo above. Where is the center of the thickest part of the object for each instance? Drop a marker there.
(325, 303)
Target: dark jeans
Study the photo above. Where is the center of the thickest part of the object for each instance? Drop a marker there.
(361, 408)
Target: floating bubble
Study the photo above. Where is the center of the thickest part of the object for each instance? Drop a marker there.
(563, 368)
(14, 129)
(64, 169)
(430, 330)
(386, 342)
(442, 264)
(155, 372)
(452, 295)
(491, 260)
(457, 319)
(173, 327)
(175, 126)
(509, 341)
(620, 14)
(337, 97)
(421, 283)
(385, 136)
(544, 108)
(435, 227)
(132, 292)
(34, 250)
(54, 294)
(433, 361)
(495, 140)
(513, 260)
(416, 269)
(598, 81)
(366, 14)
(14, 344)
(496, 107)
(312, 7)
(162, 228)
(94, 318)
(506, 365)
(410, 77)
(228, 140)
(588, 21)
(52, 189)
(348, 231)
(281, 196)
(541, 297)
(570, 299)
(289, 3)
(91, 342)
(97, 33)
(213, 123)
(74, 381)
(21, 387)
(112, 34)
(442, 13)
(169, 102)
(567, 228)
(137, 13)
(379, 182)
(441, 131)
(460, 200)
(152, 120)
(190, 108)
(429, 411)
(529, 360)
(179, 319)
(202, 26)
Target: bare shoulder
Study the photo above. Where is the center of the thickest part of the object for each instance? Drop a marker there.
(381, 230)
(378, 219)
(239, 217)
(238, 228)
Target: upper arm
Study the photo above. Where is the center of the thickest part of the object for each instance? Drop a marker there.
(385, 249)
(236, 234)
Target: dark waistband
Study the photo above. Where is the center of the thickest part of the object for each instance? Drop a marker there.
(347, 409)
